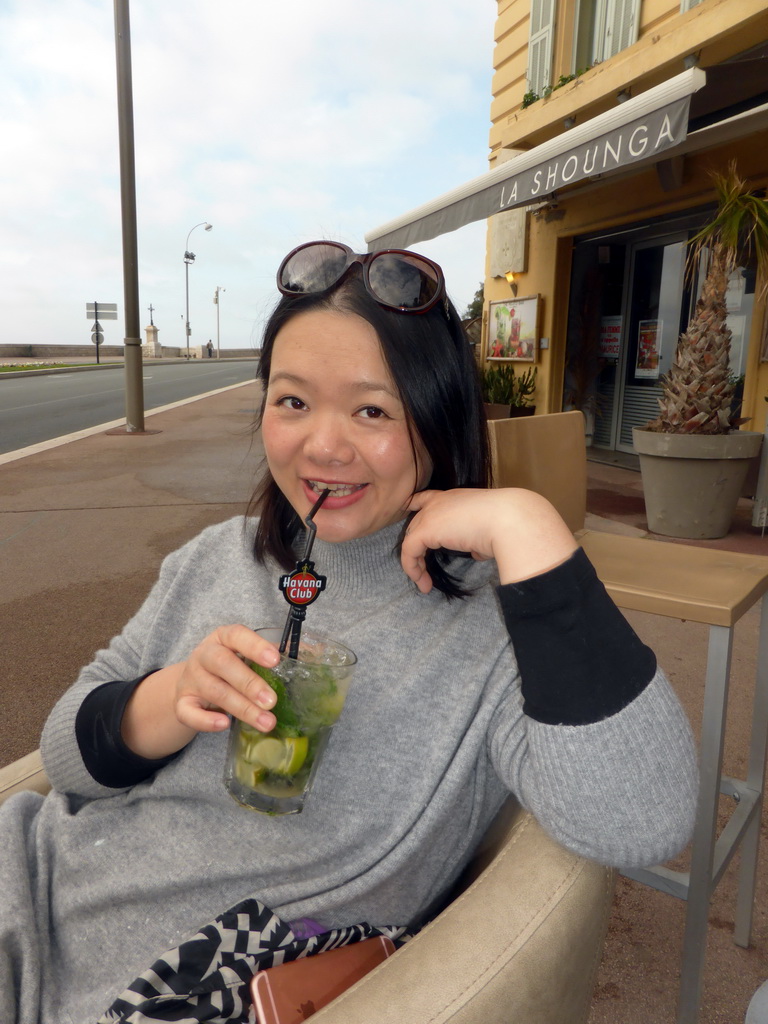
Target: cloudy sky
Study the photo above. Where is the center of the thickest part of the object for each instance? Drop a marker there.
(276, 122)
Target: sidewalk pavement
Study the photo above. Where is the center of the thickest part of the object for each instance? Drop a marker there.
(84, 526)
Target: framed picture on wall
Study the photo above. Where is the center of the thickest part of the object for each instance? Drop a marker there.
(513, 330)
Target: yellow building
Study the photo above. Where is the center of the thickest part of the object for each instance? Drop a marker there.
(608, 117)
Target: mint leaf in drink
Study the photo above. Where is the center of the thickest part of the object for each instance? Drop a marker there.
(287, 719)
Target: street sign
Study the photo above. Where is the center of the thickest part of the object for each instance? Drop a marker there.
(96, 335)
(105, 310)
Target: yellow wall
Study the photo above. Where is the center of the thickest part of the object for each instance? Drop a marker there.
(715, 29)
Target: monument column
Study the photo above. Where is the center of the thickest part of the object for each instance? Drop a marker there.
(153, 347)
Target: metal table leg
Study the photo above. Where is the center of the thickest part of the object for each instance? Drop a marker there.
(704, 836)
(756, 784)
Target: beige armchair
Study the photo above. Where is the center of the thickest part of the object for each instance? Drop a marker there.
(520, 943)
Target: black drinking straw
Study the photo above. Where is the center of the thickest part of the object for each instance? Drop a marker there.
(297, 614)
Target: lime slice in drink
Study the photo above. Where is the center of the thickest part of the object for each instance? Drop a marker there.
(249, 774)
(283, 756)
(329, 705)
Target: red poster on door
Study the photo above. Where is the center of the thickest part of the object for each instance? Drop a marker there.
(610, 337)
(648, 345)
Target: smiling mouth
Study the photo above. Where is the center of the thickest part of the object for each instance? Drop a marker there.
(337, 490)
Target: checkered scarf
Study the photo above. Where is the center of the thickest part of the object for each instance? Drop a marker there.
(207, 978)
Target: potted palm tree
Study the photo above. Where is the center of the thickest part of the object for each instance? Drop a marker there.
(505, 394)
(693, 459)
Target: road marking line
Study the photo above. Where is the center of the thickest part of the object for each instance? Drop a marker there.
(58, 401)
(55, 442)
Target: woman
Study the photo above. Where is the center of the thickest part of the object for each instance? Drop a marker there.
(371, 393)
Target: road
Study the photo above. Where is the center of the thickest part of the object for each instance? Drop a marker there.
(35, 409)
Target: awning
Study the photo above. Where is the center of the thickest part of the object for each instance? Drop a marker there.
(641, 128)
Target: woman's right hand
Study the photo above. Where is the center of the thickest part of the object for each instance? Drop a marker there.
(197, 695)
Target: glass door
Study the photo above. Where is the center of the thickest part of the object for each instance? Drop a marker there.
(655, 311)
(594, 336)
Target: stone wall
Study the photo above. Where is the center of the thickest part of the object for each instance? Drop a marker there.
(196, 352)
(57, 351)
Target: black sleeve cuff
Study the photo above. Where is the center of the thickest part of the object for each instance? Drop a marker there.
(580, 661)
(97, 729)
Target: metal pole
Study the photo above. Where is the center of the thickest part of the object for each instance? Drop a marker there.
(218, 339)
(134, 383)
(186, 288)
(189, 257)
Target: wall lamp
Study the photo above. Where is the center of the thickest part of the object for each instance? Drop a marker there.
(511, 282)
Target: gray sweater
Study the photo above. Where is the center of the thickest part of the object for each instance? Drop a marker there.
(432, 738)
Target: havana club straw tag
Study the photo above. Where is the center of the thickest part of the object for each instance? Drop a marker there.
(302, 586)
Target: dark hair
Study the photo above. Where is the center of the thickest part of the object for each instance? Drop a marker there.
(432, 365)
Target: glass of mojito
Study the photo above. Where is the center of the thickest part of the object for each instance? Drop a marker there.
(273, 772)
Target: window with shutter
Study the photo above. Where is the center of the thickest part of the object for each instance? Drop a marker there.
(598, 14)
(603, 28)
(686, 5)
(540, 45)
(585, 36)
(622, 22)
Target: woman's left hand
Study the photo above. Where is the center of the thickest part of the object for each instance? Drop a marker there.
(520, 529)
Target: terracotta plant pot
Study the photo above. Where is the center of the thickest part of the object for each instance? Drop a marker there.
(496, 411)
(692, 482)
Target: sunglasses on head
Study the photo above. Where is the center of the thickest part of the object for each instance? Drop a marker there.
(395, 278)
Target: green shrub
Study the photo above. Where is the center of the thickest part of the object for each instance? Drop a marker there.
(502, 387)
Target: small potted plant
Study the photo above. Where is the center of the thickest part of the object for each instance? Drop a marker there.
(693, 459)
(506, 394)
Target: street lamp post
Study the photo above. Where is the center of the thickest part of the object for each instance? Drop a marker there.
(216, 302)
(189, 257)
(134, 383)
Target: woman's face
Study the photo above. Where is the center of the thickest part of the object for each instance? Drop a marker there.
(333, 419)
